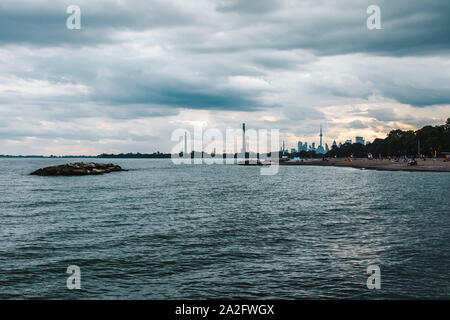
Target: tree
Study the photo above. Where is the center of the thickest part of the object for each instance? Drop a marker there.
(401, 143)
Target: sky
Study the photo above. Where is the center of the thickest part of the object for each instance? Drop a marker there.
(139, 69)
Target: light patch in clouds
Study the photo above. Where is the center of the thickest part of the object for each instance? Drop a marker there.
(34, 88)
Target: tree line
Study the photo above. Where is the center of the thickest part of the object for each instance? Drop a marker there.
(426, 141)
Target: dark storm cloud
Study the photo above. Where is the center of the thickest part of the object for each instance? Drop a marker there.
(184, 96)
(339, 27)
(43, 23)
(411, 27)
(28, 27)
(120, 86)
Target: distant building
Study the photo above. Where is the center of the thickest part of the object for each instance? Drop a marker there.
(348, 141)
(334, 144)
(326, 148)
(320, 150)
(359, 140)
(302, 147)
(293, 150)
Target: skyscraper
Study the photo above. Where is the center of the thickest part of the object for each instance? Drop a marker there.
(359, 140)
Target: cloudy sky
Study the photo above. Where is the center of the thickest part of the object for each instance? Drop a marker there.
(139, 69)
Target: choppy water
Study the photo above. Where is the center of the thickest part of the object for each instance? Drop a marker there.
(162, 231)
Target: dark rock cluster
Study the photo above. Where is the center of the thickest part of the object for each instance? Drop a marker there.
(78, 169)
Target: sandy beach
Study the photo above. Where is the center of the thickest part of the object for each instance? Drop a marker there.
(428, 165)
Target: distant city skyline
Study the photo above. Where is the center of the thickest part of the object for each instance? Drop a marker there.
(323, 147)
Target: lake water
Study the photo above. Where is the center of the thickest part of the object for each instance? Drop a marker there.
(162, 231)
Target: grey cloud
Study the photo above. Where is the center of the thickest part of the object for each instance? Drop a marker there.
(301, 114)
(281, 60)
(419, 97)
(248, 7)
(120, 87)
(383, 114)
(330, 28)
(69, 134)
(142, 59)
(357, 124)
(412, 27)
(44, 23)
(173, 92)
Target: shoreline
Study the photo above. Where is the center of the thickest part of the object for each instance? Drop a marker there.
(430, 165)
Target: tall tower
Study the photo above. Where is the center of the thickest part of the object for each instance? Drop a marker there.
(244, 149)
(320, 135)
(185, 142)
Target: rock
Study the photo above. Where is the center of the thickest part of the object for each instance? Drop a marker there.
(78, 169)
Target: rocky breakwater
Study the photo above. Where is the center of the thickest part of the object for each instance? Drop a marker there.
(78, 169)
